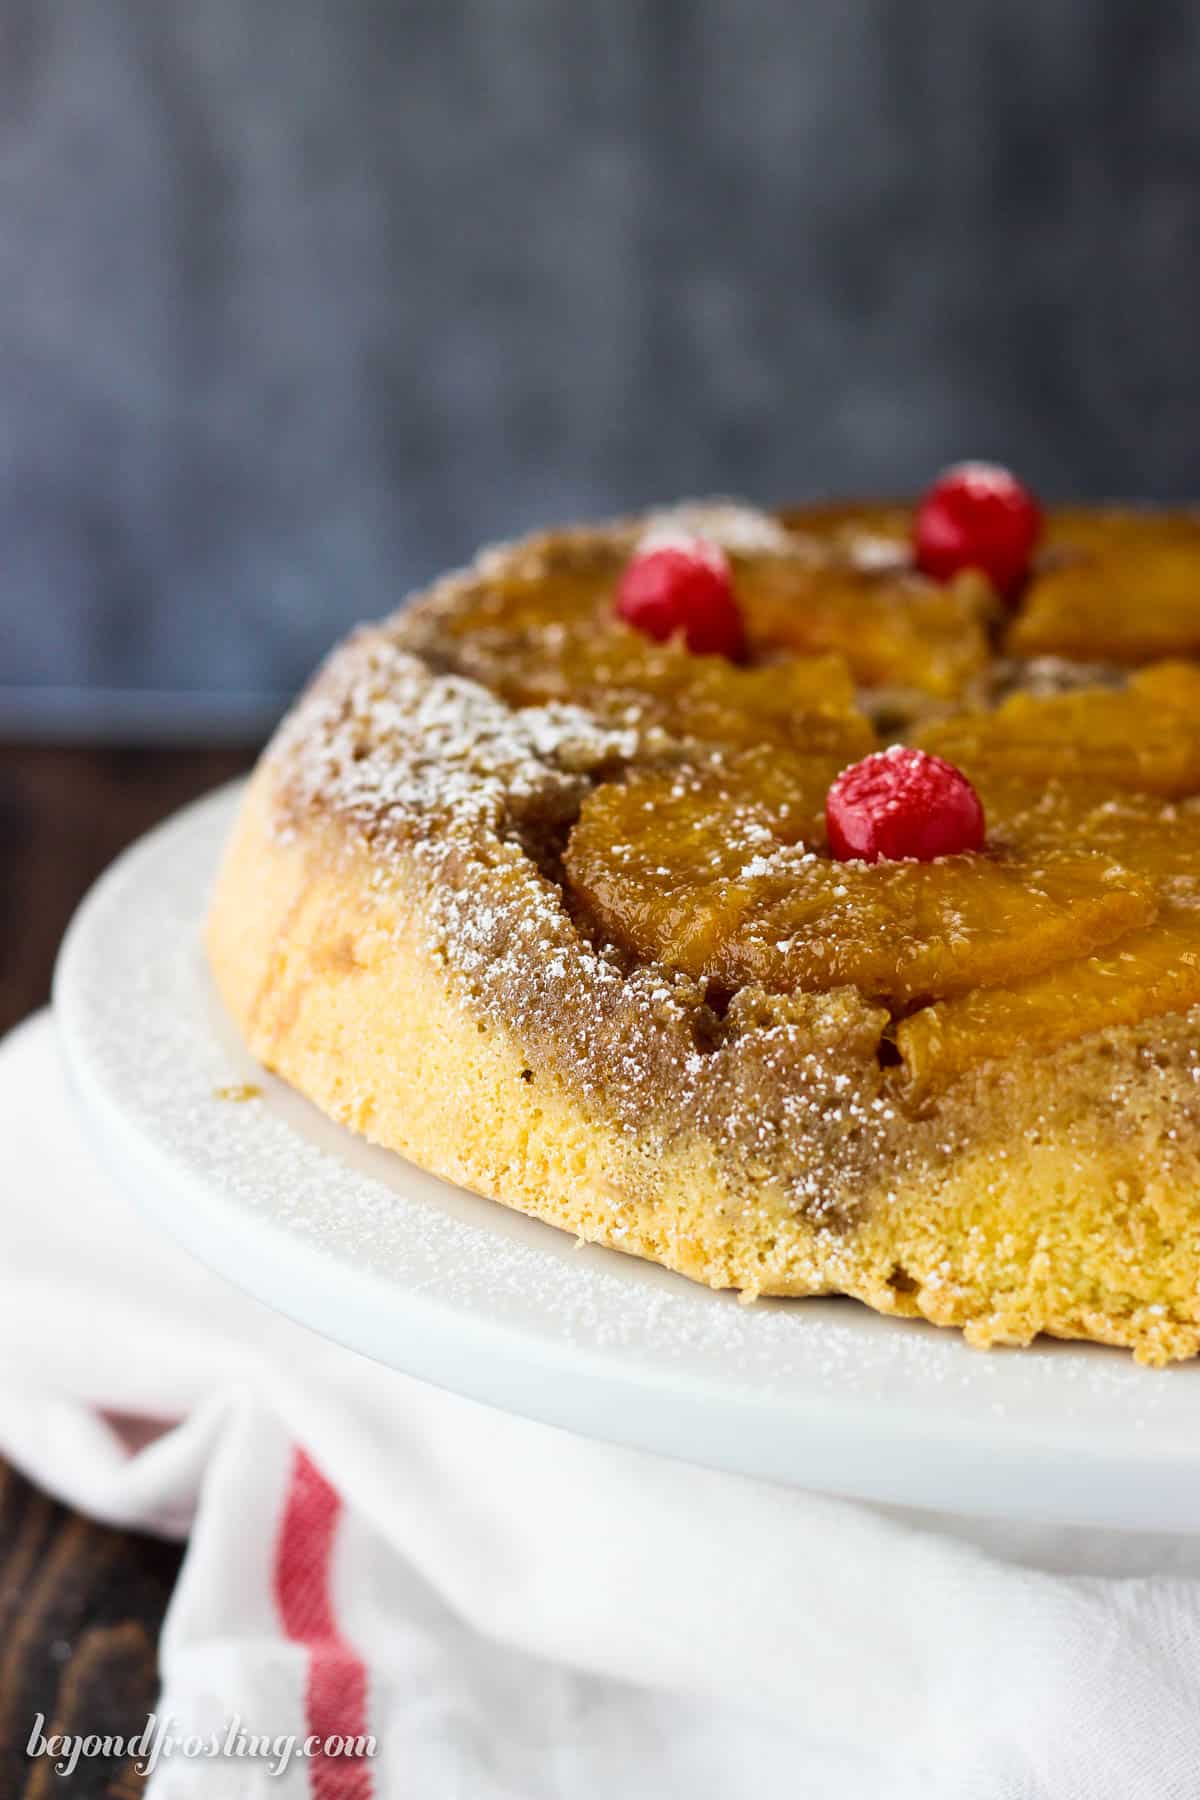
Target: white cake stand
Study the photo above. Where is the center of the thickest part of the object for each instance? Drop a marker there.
(424, 1277)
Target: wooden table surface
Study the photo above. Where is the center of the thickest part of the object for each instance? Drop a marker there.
(80, 1606)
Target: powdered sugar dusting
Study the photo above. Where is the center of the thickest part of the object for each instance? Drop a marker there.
(386, 744)
(458, 794)
(727, 523)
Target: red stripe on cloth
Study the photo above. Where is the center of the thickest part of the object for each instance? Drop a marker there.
(335, 1701)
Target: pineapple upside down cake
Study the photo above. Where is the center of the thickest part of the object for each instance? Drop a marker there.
(807, 901)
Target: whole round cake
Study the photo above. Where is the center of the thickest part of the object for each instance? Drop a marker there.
(808, 901)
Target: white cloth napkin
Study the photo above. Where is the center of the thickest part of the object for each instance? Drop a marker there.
(514, 1613)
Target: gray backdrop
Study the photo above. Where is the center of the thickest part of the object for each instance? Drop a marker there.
(300, 299)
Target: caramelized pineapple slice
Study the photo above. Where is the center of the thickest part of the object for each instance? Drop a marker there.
(902, 932)
(1152, 970)
(894, 628)
(1157, 838)
(1113, 587)
(1108, 586)
(556, 639)
(667, 863)
(1096, 531)
(1147, 972)
(1145, 738)
(531, 631)
(718, 876)
(805, 702)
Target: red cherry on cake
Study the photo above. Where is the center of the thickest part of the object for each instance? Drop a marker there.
(977, 516)
(684, 588)
(902, 803)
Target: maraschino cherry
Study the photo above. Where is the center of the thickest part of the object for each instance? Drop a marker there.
(684, 588)
(902, 803)
(977, 516)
